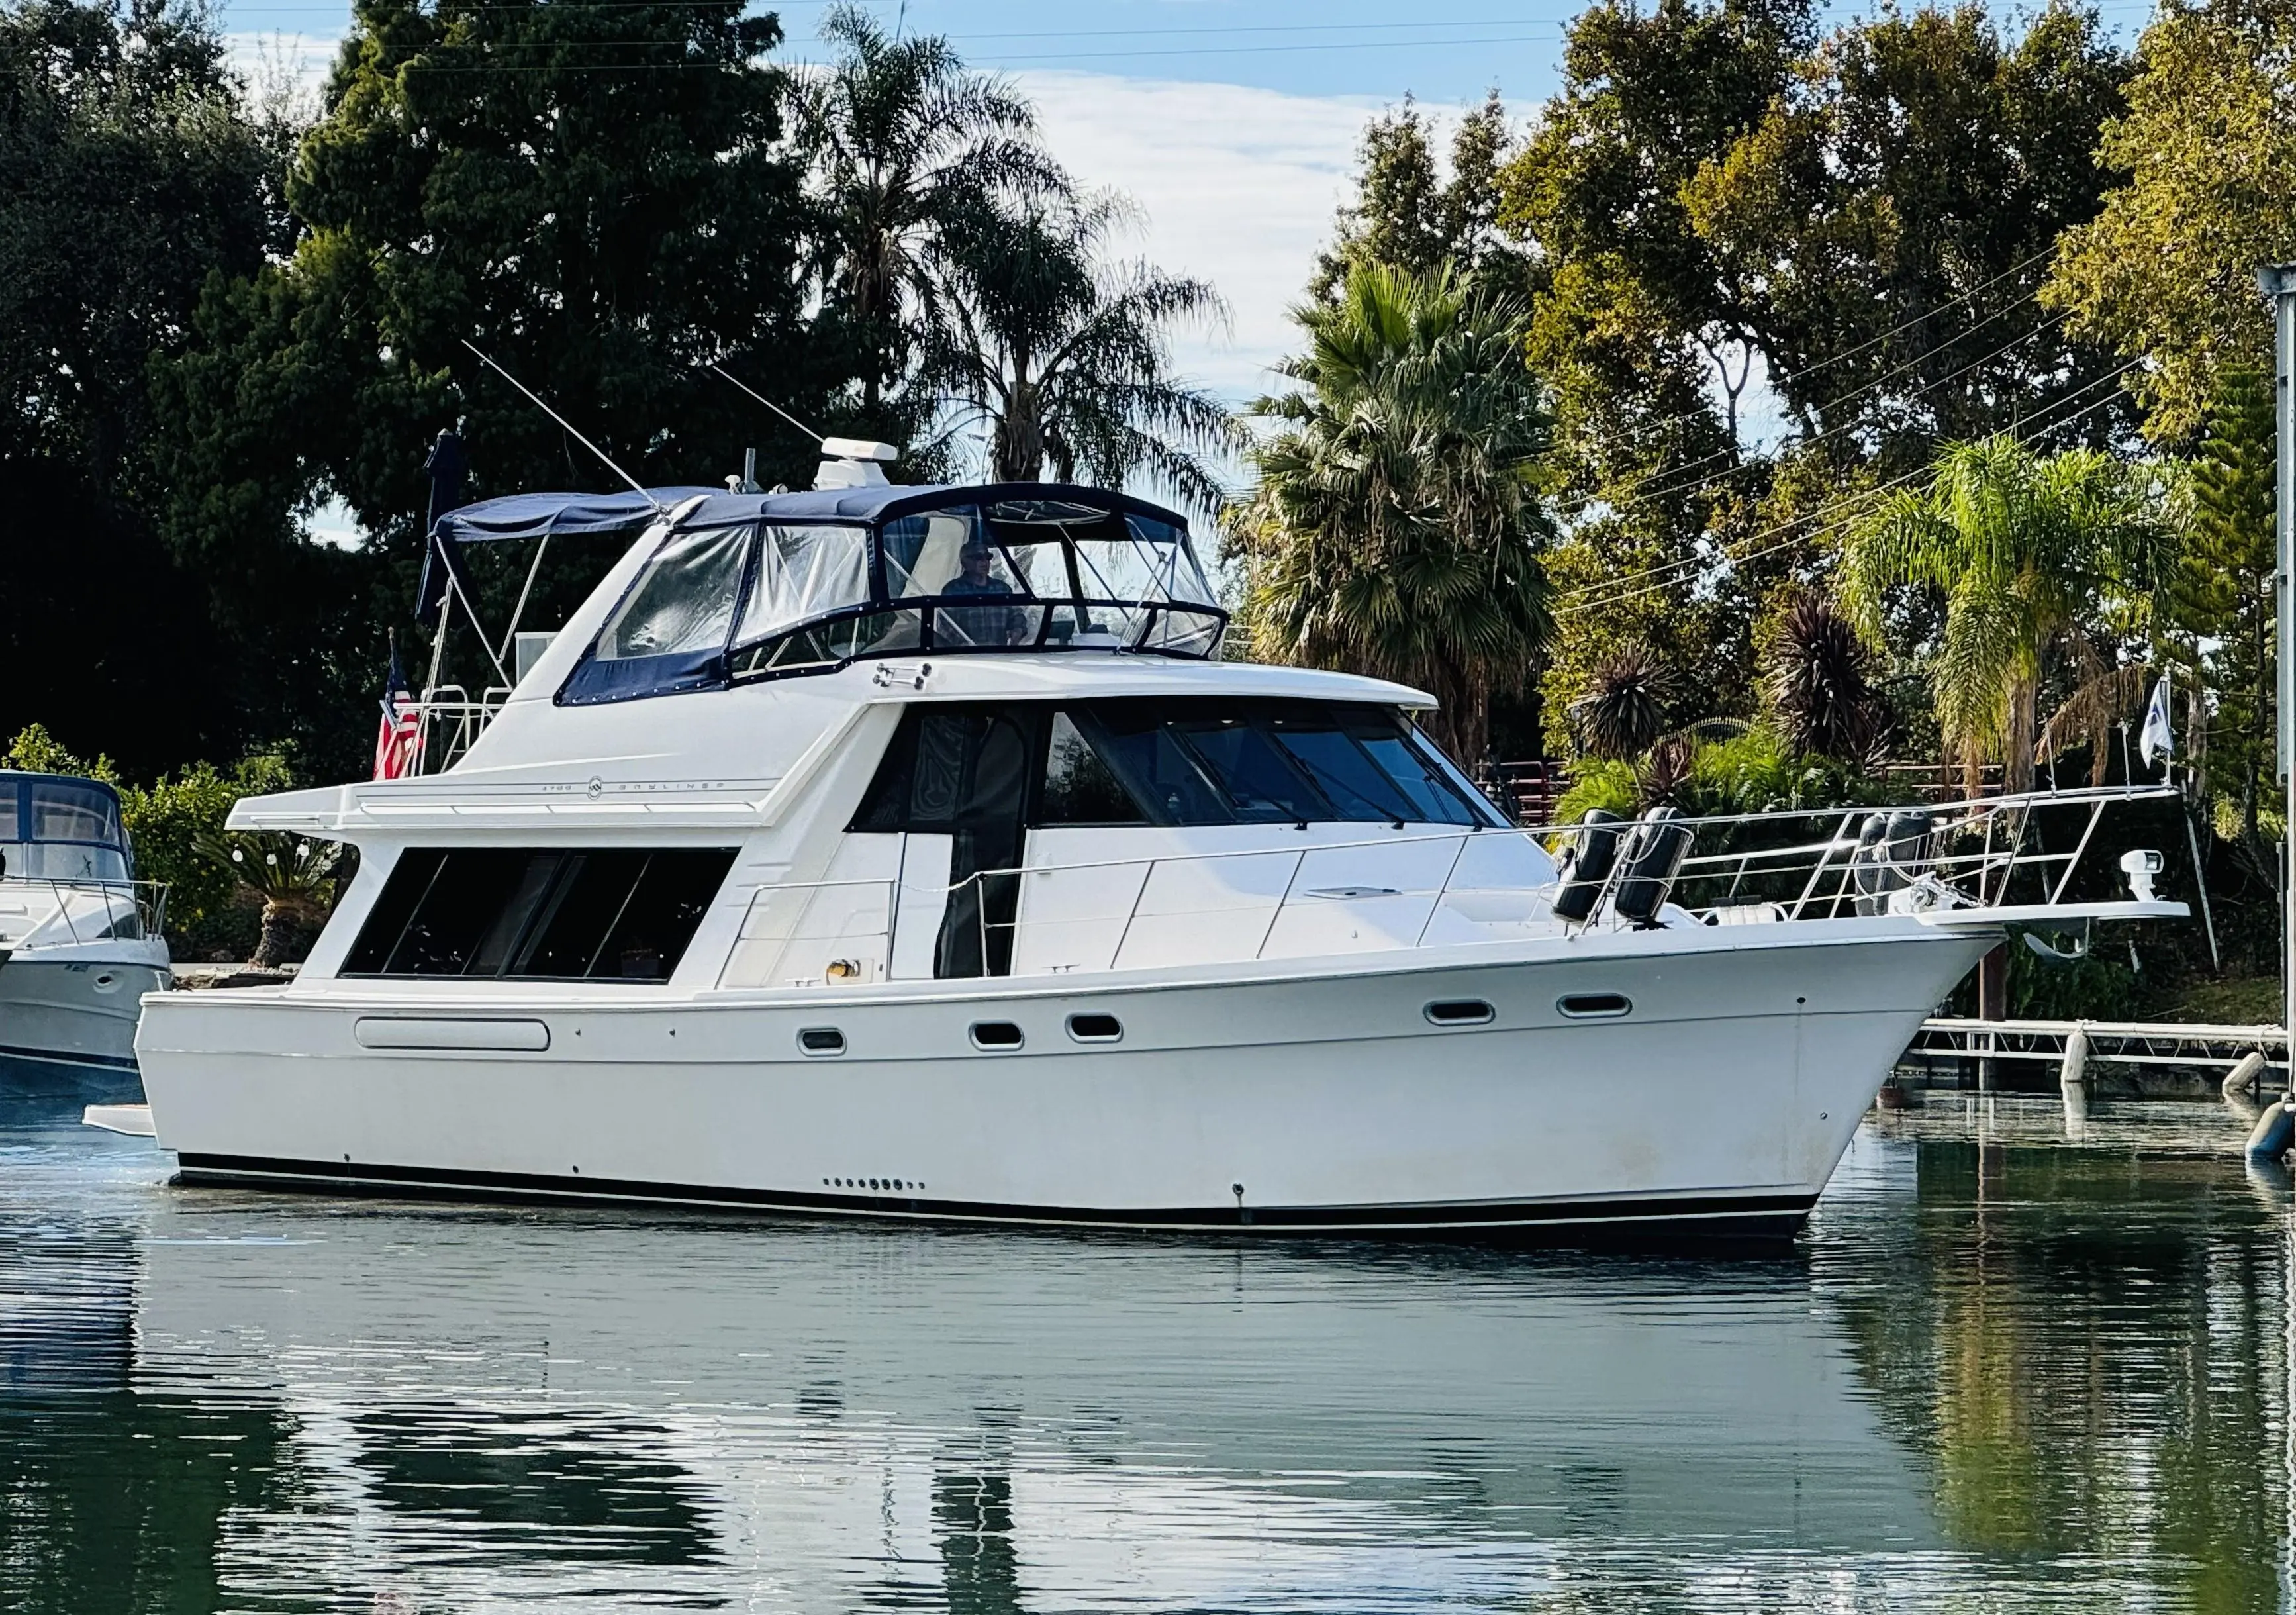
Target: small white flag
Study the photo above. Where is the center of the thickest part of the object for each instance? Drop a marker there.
(2156, 741)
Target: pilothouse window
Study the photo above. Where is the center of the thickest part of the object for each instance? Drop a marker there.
(599, 915)
(1148, 760)
(1224, 762)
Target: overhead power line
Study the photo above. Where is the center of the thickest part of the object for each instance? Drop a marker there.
(1577, 601)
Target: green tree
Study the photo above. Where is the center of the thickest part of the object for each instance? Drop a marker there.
(130, 172)
(600, 198)
(1881, 232)
(1645, 356)
(2220, 598)
(2205, 157)
(1396, 522)
(904, 144)
(2027, 551)
(1065, 358)
(1407, 213)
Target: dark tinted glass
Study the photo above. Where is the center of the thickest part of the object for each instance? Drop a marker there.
(610, 915)
(465, 897)
(1163, 775)
(410, 881)
(1262, 783)
(1404, 759)
(588, 896)
(1079, 786)
(649, 935)
(1439, 792)
(950, 767)
(1343, 770)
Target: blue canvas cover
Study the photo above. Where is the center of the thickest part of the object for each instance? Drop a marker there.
(536, 515)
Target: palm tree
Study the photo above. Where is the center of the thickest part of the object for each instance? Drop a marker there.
(1396, 524)
(296, 878)
(903, 144)
(1818, 681)
(2029, 551)
(1064, 356)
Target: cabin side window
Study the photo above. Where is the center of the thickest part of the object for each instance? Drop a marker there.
(505, 913)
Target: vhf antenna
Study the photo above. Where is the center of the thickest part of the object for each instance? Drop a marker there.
(563, 422)
(768, 403)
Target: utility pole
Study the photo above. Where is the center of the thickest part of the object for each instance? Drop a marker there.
(2278, 283)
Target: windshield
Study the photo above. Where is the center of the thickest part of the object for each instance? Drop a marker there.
(62, 830)
(730, 603)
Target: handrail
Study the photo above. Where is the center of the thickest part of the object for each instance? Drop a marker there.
(147, 903)
(1867, 875)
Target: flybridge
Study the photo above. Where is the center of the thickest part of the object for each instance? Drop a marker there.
(740, 587)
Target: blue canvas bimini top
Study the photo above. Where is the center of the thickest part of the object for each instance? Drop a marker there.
(747, 586)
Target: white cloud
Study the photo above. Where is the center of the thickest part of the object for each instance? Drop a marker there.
(1239, 187)
(292, 65)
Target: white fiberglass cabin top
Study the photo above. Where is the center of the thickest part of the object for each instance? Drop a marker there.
(910, 852)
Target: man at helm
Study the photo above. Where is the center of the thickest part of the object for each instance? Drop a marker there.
(1000, 624)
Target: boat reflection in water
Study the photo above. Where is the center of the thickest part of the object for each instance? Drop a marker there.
(2012, 1373)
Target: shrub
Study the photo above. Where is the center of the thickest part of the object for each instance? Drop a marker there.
(209, 914)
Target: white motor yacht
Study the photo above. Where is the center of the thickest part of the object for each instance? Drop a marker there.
(79, 937)
(902, 852)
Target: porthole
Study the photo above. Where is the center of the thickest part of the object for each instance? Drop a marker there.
(1459, 1012)
(997, 1035)
(1096, 1028)
(821, 1041)
(1594, 1006)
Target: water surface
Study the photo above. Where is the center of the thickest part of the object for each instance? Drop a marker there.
(2007, 1371)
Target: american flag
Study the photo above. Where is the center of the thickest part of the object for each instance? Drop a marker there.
(398, 742)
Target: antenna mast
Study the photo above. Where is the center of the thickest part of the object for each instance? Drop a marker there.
(563, 422)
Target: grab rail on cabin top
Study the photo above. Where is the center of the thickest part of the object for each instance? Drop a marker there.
(100, 920)
(1974, 854)
(449, 724)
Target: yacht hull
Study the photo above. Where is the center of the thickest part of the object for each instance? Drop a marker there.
(68, 1023)
(1316, 1098)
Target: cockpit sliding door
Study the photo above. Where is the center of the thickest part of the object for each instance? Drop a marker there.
(954, 783)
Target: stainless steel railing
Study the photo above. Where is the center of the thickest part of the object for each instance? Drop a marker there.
(106, 911)
(1786, 866)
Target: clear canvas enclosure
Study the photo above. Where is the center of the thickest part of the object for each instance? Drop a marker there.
(56, 828)
(749, 588)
